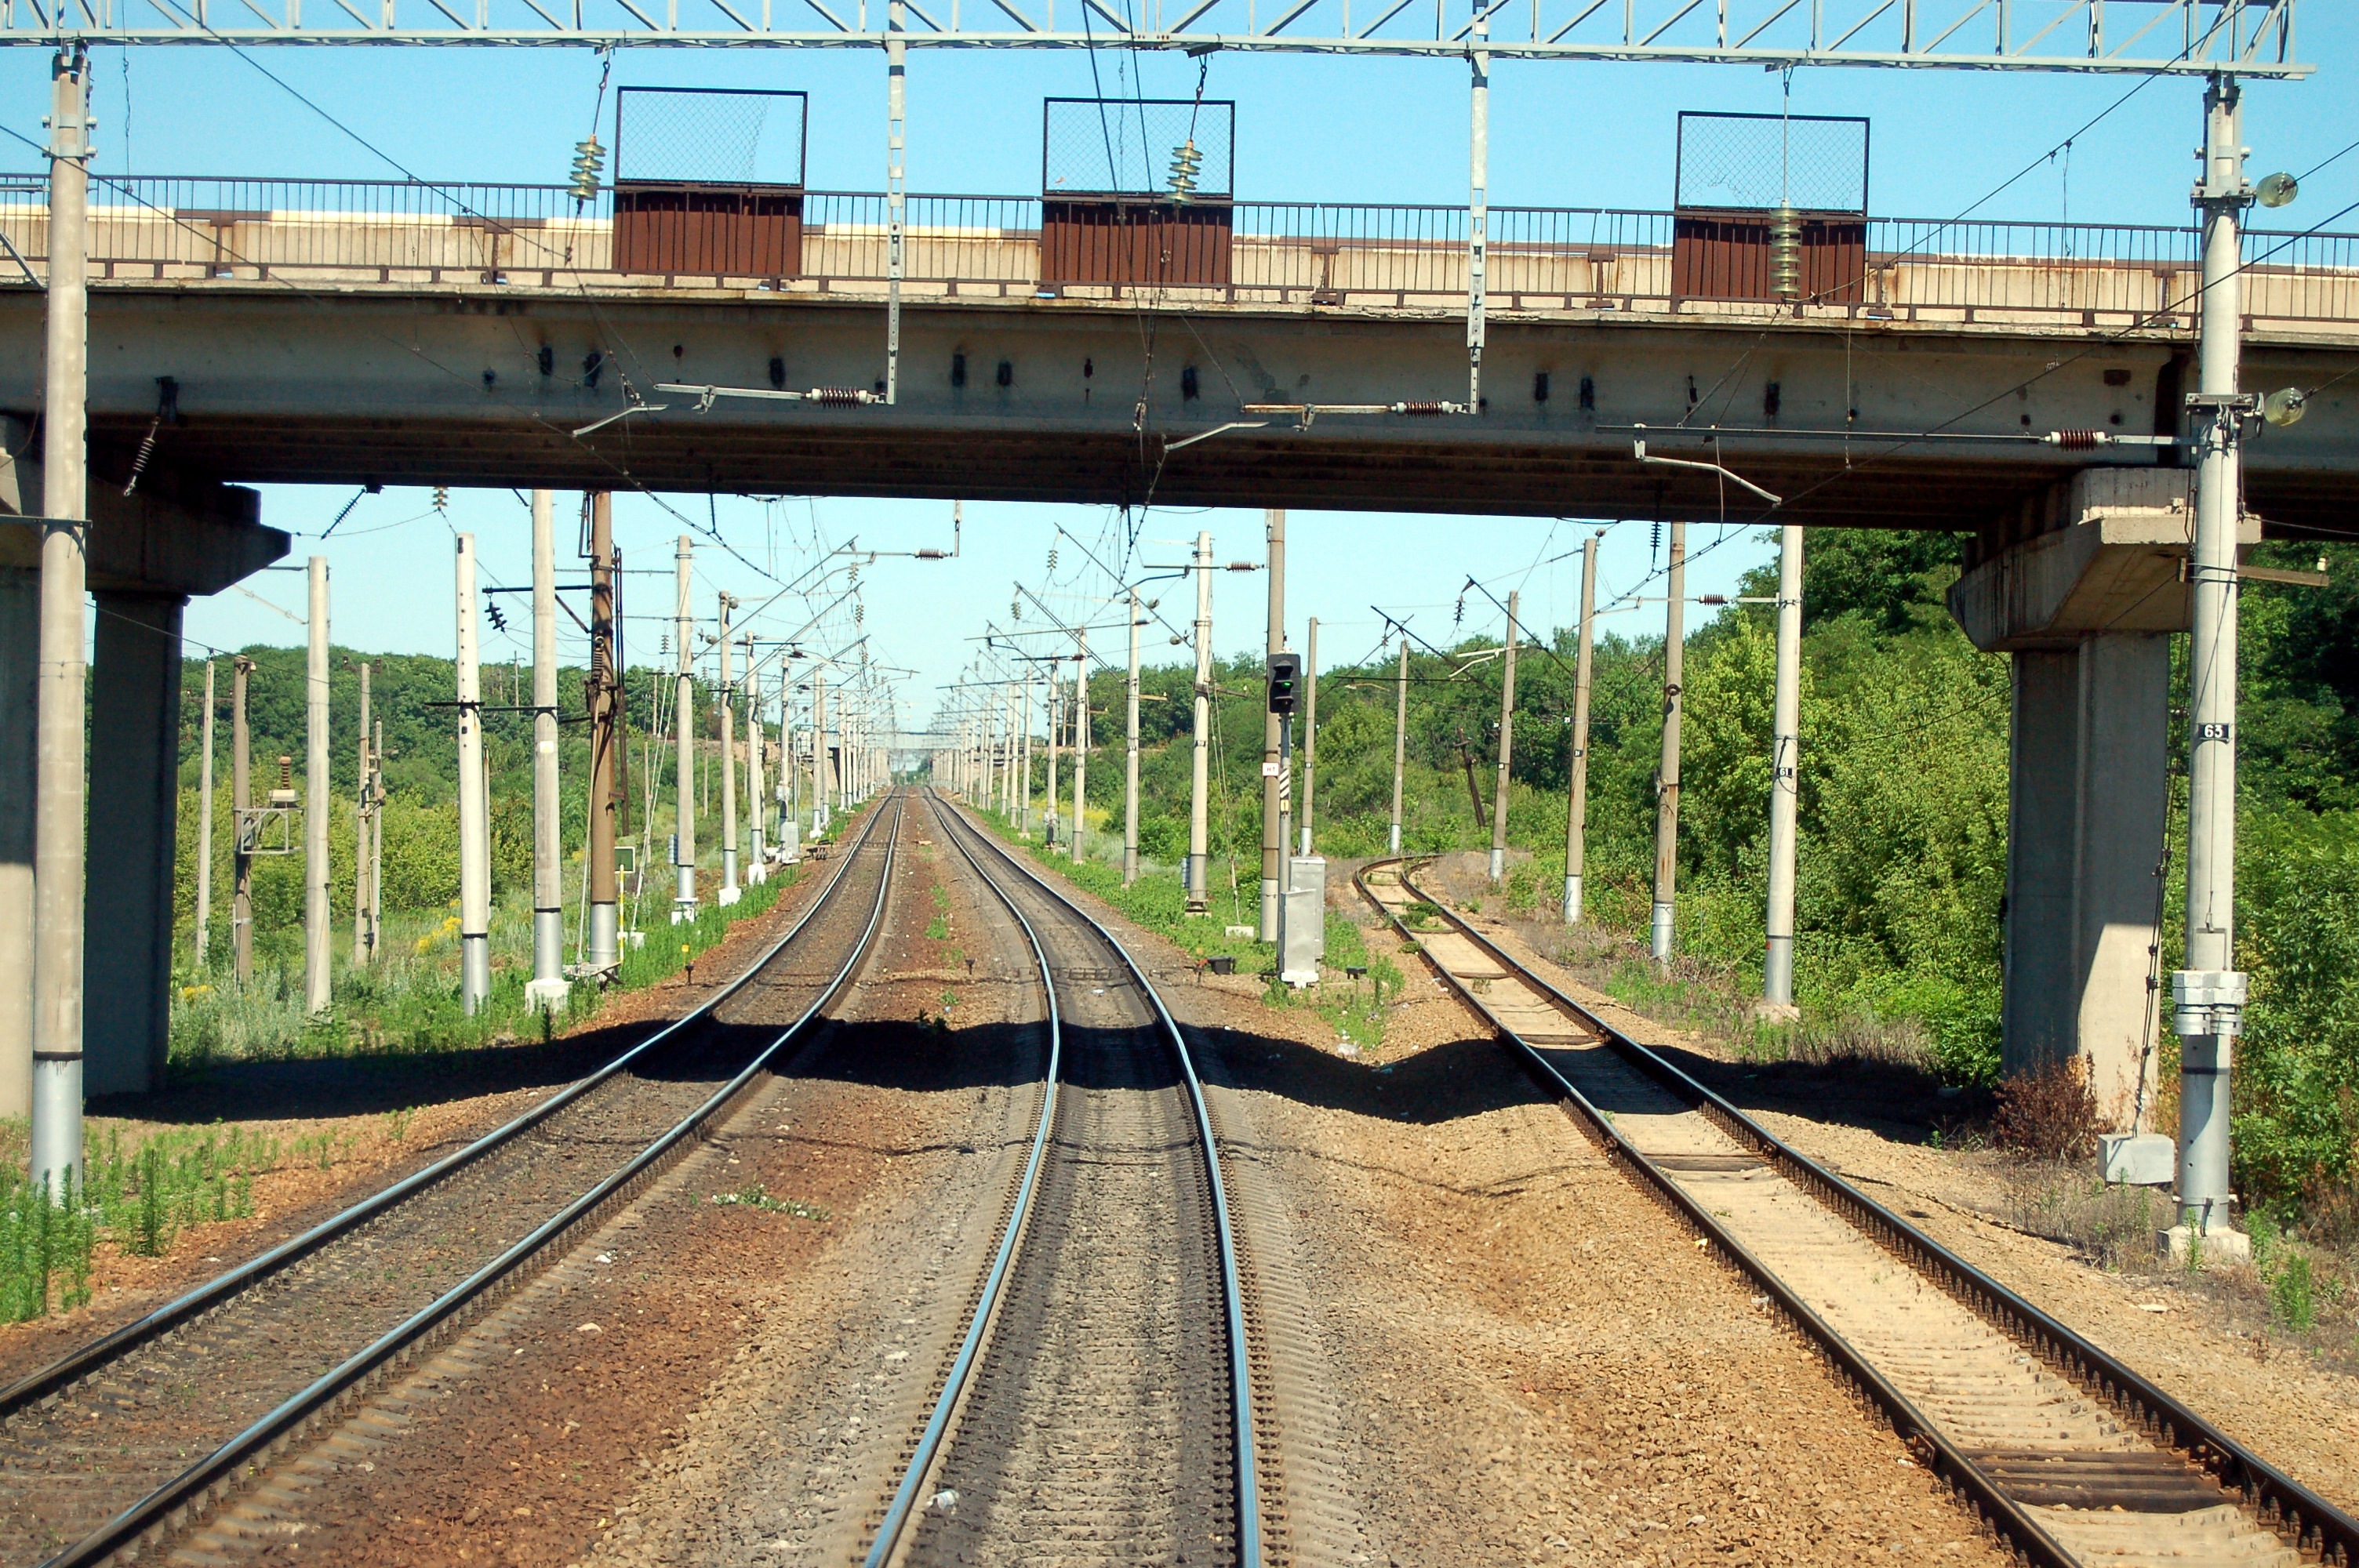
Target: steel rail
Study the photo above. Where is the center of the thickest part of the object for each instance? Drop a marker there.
(2281, 1503)
(1248, 1500)
(178, 1499)
(930, 1442)
(79, 1364)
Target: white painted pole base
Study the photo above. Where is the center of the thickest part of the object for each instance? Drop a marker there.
(1267, 930)
(1777, 972)
(729, 876)
(475, 970)
(1661, 944)
(1572, 901)
(1392, 839)
(1498, 866)
(684, 888)
(548, 996)
(57, 1123)
(604, 944)
(1199, 879)
(729, 895)
(549, 946)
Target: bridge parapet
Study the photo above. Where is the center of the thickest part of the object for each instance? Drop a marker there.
(1542, 261)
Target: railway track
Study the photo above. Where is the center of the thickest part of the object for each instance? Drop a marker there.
(140, 1434)
(2069, 1456)
(1098, 1406)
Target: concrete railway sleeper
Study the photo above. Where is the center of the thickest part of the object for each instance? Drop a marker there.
(2066, 1453)
(1099, 1406)
(142, 1435)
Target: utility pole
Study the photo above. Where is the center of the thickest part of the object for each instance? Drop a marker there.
(205, 828)
(602, 944)
(757, 809)
(2208, 995)
(819, 750)
(60, 768)
(1199, 846)
(1081, 737)
(1576, 815)
(317, 788)
(725, 695)
(376, 837)
(241, 800)
(1400, 743)
(548, 988)
(1310, 728)
(361, 833)
(683, 712)
(474, 832)
(1667, 779)
(1048, 821)
(1785, 778)
(1130, 761)
(1507, 744)
(1024, 763)
(1273, 779)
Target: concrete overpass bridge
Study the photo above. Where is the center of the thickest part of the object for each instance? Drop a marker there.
(2022, 382)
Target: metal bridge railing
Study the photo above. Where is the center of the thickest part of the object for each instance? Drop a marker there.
(1402, 256)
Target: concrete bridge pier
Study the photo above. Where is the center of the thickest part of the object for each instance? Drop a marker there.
(2082, 587)
(148, 553)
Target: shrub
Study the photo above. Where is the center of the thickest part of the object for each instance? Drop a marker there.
(2051, 1114)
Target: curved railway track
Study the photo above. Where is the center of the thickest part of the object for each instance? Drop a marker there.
(2072, 1457)
(1098, 1407)
(139, 1435)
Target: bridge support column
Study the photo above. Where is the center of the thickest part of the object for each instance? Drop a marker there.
(135, 769)
(2082, 587)
(148, 553)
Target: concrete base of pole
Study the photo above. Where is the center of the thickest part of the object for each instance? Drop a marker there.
(729, 876)
(1392, 838)
(475, 970)
(547, 995)
(549, 945)
(603, 943)
(1498, 867)
(1266, 931)
(1199, 879)
(57, 1121)
(1777, 973)
(2194, 1247)
(1571, 900)
(1129, 865)
(728, 895)
(1776, 1012)
(1659, 942)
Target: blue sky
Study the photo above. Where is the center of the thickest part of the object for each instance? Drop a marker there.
(1362, 129)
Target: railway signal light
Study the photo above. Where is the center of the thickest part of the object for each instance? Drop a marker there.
(1285, 676)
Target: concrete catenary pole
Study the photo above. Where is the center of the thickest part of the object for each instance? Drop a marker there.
(1785, 778)
(1048, 821)
(1024, 763)
(360, 832)
(684, 714)
(1081, 737)
(1667, 779)
(205, 830)
(1201, 738)
(1130, 757)
(757, 811)
(1400, 745)
(725, 695)
(474, 832)
(317, 905)
(60, 775)
(2208, 995)
(1506, 742)
(819, 750)
(1309, 727)
(376, 837)
(1273, 833)
(241, 800)
(601, 945)
(547, 988)
(1576, 815)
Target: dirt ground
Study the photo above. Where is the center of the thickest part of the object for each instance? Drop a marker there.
(1530, 1362)
(451, 1099)
(2207, 1346)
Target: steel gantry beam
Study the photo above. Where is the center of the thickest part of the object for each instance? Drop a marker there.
(2251, 37)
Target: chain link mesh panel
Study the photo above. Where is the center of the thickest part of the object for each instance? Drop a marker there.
(1814, 163)
(708, 136)
(1130, 146)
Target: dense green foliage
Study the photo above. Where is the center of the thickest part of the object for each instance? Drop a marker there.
(1904, 805)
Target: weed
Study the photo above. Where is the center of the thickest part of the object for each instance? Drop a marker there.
(396, 1123)
(2290, 1295)
(754, 1194)
(938, 929)
(2049, 1114)
(941, 898)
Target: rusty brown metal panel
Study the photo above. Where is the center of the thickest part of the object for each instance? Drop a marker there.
(1725, 255)
(713, 231)
(1135, 242)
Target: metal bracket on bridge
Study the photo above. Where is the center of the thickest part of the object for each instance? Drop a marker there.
(1638, 451)
(1304, 413)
